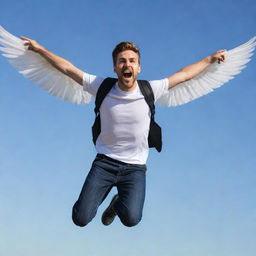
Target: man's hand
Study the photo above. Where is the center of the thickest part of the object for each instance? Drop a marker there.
(32, 44)
(218, 56)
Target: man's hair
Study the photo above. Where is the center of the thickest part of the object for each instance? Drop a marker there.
(123, 46)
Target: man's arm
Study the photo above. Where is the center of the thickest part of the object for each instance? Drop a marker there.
(59, 63)
(195, 69)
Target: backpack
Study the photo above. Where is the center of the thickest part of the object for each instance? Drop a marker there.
(155, 133)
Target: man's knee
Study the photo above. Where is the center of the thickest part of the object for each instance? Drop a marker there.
(81, 219)
(131, 220)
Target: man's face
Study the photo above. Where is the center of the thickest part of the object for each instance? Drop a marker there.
(127, 68)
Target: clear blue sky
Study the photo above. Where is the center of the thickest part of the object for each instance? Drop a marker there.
(201, 189)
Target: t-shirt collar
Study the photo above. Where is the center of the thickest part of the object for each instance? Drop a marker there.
(135, 90)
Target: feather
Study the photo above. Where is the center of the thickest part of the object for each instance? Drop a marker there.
(35, 68)
(214, 76)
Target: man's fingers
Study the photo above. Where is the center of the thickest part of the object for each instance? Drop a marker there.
(221, 59)
(219, 56)
(25, 38)
(27, 41)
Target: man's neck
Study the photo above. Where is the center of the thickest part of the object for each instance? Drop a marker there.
(125, 87)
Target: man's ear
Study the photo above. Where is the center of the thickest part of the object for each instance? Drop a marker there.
(139, 69)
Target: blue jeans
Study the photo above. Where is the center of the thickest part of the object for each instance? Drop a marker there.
(105, 173)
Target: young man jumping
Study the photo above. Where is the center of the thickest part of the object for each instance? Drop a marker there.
(122, 145)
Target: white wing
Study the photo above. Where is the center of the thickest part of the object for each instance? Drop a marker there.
(212, 77)
(34, 67)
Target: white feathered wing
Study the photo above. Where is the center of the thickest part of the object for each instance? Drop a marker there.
(212, 77)
(34, 67)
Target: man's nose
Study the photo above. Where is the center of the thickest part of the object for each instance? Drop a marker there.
(127, 64)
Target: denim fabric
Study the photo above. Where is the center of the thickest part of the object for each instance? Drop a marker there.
(105, 173)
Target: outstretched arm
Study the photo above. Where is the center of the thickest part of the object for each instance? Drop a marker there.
(195, 69)
(59, 63)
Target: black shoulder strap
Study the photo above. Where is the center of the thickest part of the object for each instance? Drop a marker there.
(148, 94)
(109, 82)
(103, 90)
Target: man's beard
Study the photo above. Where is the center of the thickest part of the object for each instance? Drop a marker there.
(128, 78)
(128, 82)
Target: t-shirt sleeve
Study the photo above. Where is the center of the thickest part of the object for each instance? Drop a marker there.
(159, 87)
(91, 83)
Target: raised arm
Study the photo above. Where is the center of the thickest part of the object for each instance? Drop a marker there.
(59, 63)
(195, 69)
(50, 72)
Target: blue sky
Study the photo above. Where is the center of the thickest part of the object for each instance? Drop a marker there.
(200, 190)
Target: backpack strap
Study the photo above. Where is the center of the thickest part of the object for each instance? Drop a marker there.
(155, 132)
(148, 94)
(103, 90)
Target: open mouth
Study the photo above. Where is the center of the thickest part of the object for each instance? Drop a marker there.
(127, 74)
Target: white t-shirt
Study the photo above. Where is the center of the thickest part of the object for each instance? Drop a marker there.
(125, 118)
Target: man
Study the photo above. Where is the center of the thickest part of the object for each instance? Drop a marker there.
(122, 145)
